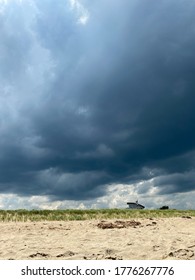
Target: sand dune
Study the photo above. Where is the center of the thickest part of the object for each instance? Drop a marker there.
(165, 238)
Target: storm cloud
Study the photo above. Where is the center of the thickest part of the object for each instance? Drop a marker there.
(94, 94)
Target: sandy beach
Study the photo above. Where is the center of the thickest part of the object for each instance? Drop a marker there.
(158, 238)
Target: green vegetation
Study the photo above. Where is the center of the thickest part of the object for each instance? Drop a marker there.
(100, 214)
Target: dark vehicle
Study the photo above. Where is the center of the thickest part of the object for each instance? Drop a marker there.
(164, 207)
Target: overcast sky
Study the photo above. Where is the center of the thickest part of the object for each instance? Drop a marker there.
(97, 103)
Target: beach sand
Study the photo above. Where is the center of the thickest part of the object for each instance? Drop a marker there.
(157, 239)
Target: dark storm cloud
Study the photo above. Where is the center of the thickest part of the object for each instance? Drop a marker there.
(86, 104)
(177, 182)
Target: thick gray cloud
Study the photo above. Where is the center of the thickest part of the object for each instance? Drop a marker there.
(94, 93)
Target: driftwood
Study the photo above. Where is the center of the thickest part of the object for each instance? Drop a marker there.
(118, 224)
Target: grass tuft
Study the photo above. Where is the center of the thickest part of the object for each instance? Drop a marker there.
(23, 215)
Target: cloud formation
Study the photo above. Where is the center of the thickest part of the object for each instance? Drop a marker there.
(95, 94)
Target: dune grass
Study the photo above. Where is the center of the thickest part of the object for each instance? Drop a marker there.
(23, 215)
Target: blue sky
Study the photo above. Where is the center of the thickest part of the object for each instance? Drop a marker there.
(97, 103)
